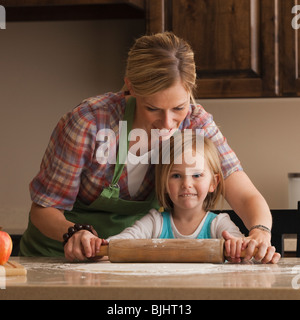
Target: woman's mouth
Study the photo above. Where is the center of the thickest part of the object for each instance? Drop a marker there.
(165, 132)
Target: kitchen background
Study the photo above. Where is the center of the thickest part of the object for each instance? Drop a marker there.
(47, 68)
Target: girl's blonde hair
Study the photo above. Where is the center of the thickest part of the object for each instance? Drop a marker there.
(158, 61)
(162, 172)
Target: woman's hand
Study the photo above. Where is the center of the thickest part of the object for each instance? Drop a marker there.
(262, 241)
(83, 245)
(258, 239)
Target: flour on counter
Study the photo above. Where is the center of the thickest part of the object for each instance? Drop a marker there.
(144, 269)
(147, 268)
(165, 268)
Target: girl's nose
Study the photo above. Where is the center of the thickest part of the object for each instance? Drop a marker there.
(186, 183)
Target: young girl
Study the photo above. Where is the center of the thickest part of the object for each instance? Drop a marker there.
(188, 193)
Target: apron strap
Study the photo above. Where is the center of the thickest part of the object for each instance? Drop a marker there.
(124, 141)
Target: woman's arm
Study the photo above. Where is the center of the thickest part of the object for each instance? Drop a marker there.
(246, 200)
(53, 224)
(50, 221)
(252, 208)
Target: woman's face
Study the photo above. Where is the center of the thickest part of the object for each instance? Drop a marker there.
(164, 110)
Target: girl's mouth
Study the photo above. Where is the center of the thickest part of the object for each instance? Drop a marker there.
(187, 195)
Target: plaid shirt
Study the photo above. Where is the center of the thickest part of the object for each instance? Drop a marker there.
(70, 169)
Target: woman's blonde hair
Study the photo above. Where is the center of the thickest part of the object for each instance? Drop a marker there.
(158, 61)
(162, 172)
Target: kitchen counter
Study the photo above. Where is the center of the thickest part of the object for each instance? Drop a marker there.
(55, 278)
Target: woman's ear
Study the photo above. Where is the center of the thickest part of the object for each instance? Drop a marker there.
(129, 86)
(214, 183)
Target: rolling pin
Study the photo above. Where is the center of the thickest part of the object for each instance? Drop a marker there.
(165, 250)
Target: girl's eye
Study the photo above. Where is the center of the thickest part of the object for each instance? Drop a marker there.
(198, 175)
(175, 176)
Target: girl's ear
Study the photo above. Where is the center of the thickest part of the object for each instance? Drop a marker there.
(214, 183)
(129, 87)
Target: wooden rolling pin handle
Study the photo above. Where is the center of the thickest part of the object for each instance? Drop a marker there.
(103, 250)
(243, 253)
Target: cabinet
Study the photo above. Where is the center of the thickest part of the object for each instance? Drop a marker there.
(41, 10)
(243, 48)
(289, 51)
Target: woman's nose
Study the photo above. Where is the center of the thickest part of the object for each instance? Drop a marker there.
(167, 121)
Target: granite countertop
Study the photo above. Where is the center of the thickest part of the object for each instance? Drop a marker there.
(56, 278)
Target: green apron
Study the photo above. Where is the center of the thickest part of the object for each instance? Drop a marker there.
(108, 214)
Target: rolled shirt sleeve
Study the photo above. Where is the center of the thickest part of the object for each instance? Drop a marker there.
(70, 149)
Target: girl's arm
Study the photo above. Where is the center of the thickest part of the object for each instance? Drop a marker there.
(223, 223)
(147, 227)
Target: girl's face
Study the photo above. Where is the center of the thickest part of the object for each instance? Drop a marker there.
(164, 110)
(188, 185)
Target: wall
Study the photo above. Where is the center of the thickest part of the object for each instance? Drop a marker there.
(265, 134)
(47, 68)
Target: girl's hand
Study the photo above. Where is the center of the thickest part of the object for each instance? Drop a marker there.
(83, 245)
(233, 247)
(95, 244)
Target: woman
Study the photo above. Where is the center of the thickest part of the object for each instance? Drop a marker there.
(74, 186)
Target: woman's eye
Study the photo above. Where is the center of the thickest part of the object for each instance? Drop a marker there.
(151, 109)
(155, 109)
(179, 109)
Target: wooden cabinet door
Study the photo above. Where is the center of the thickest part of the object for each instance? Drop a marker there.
(289, 49)
(234, 43)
